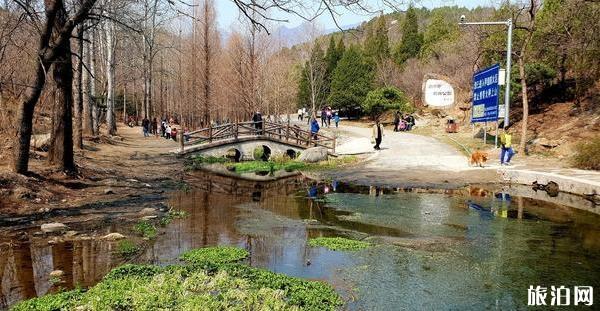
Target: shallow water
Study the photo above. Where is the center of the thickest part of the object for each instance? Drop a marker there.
(434, 249)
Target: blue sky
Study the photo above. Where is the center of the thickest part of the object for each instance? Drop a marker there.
(228, 12)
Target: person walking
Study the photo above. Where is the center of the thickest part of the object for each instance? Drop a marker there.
(168, 132)
(145, 127)
(336, 119)
(329, 116)
(507, 151)
(396, 121)
(377, 134)
(323, 117)
(300, 114)
(174, 133)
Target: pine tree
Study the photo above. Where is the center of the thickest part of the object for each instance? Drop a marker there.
(412, 40)
(332, 57)
(377, 43)
(352, 80)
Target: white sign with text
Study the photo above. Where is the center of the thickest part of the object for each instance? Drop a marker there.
(438, 93)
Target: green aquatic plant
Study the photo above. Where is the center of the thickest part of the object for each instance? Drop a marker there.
(215, 255)
(338, 243)
(145, 229)
(60, 301)
(127, 248)
(227, 285)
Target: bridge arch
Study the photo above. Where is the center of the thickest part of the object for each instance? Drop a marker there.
(234, 154)
(291, 153)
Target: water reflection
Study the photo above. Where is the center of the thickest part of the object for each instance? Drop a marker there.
(438, 248)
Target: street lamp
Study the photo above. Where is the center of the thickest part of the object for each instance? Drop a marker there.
(509, 24)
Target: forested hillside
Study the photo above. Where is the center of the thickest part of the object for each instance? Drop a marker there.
(556, 52)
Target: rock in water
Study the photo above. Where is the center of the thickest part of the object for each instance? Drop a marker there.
(53, 227)
(57, 274)
(113, 236)
(315, 154)
(147, 211)
(109, 191)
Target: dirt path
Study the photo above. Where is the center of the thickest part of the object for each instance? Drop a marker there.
(124, 168)
(406, 160)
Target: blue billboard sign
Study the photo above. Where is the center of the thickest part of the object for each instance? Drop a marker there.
(485, 94)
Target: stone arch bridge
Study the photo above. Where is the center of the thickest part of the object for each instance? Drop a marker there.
(240, 140)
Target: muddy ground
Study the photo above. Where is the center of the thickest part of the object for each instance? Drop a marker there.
(124, 169)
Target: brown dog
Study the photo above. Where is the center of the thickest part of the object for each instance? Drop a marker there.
(478, 158)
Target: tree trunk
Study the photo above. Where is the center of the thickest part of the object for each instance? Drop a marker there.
(94, 103)
(525, 100)
(32, 94)
(61, 148)
(88, 123)
(78, 94)
(111, 125)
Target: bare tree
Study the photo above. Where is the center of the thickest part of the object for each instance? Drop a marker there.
(50, 48)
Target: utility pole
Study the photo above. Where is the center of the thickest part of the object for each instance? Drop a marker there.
(509, 24)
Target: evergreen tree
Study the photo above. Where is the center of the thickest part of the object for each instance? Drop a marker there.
(341, 48)
(377, 43)
(412, 40)
(332, 57)
(352, 80)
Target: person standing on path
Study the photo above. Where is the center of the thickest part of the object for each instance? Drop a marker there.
(377, 134)
(154, 127)
(507, 150)
(314, 128)
(258, 122)
(396, 121)
(336, 119)
(300, 114)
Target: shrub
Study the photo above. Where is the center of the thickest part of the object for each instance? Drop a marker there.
(338, 243)
(587, 154)
(387, 98)
(146, 229)
(60, 301)
(127, 248)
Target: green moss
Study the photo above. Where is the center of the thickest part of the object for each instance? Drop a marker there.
(146, 229)
(127, 248)
(338, 243)
(225, 286)
(215, 255)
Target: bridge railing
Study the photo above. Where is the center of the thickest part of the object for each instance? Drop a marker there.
(284, 132)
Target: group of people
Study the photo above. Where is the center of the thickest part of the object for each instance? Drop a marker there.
(326, 115)
(165, 128)
(403, 122)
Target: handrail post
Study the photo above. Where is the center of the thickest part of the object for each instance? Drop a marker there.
(235, 125)
(334, 138)
(210, 133)
(287, 131)
(181, 143)
(309, 137)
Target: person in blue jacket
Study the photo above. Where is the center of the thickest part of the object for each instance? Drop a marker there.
(314, 128)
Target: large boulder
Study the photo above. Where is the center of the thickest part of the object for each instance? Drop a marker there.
(40, 142)
(53, 227)
(315, 154)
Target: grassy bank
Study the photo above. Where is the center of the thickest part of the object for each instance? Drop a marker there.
(211, 279)
(272, 165)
